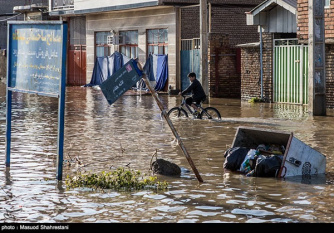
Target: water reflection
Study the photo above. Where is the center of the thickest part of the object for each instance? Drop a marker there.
(127, 133)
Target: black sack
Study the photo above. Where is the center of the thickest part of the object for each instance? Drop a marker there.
(164, 167)
(234, 157)
(268, 167)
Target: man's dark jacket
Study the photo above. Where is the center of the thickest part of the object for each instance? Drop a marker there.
(196, 90)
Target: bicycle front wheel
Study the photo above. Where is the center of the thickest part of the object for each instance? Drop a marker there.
(177, 112)
(211, 113)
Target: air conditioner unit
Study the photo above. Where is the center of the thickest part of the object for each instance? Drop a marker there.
(115, 40)
(110, 40)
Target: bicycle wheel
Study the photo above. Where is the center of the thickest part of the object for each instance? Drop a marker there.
(211, 113)
(177, 112)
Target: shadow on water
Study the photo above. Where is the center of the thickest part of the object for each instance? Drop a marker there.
(99, 137)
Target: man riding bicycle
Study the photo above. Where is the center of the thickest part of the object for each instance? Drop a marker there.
(197, 92)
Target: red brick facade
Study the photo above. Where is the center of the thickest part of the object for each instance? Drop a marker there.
(250, 75)
(228, 28)
(302, 35)
(229, 20)
(302, 22)
(224, 78)
(251, 70)
(250, 58)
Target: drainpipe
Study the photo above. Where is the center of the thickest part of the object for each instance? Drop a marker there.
(261, 63)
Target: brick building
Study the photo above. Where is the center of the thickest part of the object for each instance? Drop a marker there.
(302, 34)
(278, 38)
(178, 19)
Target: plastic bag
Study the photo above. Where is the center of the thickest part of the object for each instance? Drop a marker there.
(268, 167)
(234, 157)
(246, 165)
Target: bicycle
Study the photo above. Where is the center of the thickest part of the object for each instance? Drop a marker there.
(210, 113)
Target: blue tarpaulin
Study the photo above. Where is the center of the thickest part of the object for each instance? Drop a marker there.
(104, 67)
(156, 69)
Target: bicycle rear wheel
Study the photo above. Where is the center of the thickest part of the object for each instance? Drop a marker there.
(211, 113)
(177, 112)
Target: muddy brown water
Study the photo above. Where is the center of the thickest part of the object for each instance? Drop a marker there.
(128, 133)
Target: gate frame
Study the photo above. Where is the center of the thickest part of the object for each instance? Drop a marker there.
(302, 60)
(190, 45)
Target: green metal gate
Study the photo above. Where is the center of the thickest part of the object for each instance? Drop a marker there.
(290, 81)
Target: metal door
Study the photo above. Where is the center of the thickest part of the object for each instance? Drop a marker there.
(190, 60)
(76, 65)
(290, 81)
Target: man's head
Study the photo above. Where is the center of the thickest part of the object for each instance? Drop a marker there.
(192, 76)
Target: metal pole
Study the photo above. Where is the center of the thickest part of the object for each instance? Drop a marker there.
(8, 125)
(316, 53)
(261, 62)
(61, 108)
(9, 95)
(171, 126)
(204, 47)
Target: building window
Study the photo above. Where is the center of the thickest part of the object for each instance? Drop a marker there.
(128, 43)
(327, 3)
(102, 46)
(157, 41)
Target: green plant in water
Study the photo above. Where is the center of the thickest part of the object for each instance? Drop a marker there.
(255, 100)
(119, 179)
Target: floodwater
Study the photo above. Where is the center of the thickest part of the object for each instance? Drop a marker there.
(99, 137)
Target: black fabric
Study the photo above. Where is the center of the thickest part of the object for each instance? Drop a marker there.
(234, 157)
(268, 167)
(196, 90)
(189, 100)
(164, 167)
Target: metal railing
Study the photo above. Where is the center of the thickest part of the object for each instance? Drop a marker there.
(190, 44)
(57, 5)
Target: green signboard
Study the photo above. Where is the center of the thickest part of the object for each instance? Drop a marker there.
(121, 81)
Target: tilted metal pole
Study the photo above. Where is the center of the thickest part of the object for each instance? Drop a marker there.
(171, 126)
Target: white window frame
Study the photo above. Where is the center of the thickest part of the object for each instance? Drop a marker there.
(128, 43)
(159, 45)
(102, 44)
(327, 3)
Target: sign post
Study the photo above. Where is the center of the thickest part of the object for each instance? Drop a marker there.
(121, 81)
(36, 64)
(117, 84)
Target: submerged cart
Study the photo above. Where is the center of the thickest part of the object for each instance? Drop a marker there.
(299, 159)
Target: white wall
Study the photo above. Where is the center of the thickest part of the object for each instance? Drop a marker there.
(91, 4)
(140, 20)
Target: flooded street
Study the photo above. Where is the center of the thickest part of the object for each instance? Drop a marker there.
(127, 134)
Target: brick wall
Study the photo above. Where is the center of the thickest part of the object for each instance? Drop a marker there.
(232, 21)
(228, 20)
(228, 28)
(302, 35)
(224, 80)
(251, 70)
(302, 21)
(267, 55)
(190, 25)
